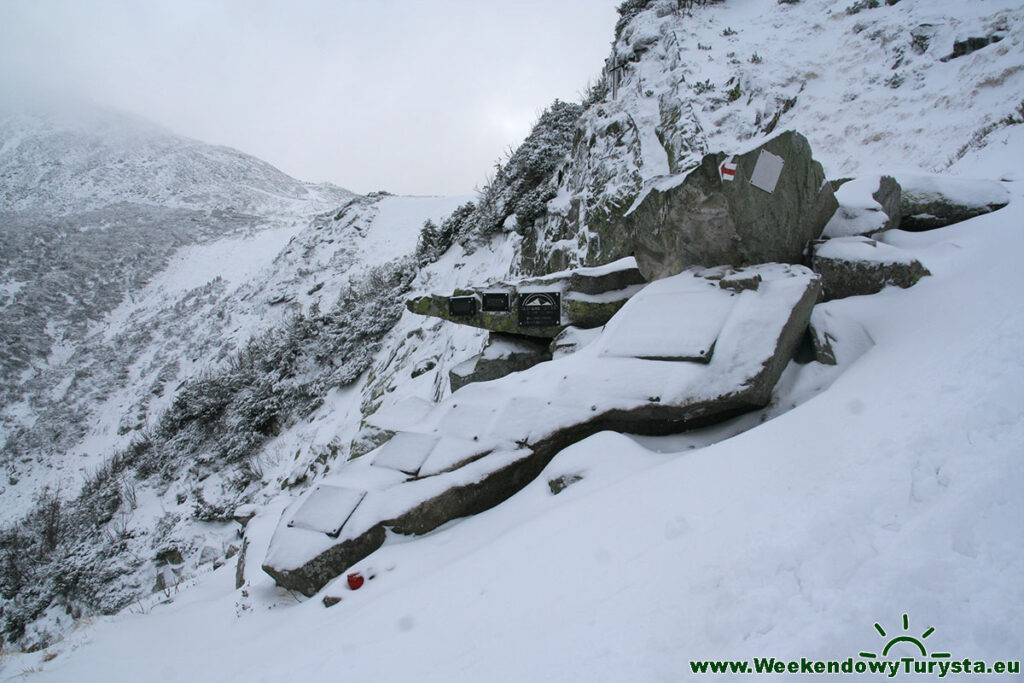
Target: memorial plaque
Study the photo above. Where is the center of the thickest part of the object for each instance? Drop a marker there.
(767, 171)
(496, 301)
(462, 306)
(540, 309)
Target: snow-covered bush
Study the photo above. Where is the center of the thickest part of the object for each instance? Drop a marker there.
(435, 240)
(522, 185)
(77, 552)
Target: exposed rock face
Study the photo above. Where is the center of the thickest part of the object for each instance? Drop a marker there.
(930, 202)
(503, 355)
(851, 266)
(971, 44)
(585, 298)
(484, 443)
(710, 220)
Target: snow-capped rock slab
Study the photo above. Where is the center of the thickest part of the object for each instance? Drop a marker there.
(405, 452)
(493, 438)
(679, 326)
(933, 201)
(852, 266)
(327, 509)
(503, 355)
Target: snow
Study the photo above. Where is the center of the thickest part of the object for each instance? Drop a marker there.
(859, 248)
(887, 485)
(899, 496)
(968, 192)
(858, 213)
(664, 325)
(398, 223)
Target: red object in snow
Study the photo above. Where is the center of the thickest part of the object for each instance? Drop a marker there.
(355, 580)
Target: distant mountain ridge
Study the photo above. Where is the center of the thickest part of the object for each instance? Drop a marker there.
(66, 159)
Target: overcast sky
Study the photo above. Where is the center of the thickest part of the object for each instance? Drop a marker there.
(412, 96)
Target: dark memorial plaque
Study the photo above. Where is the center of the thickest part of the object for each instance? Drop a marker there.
(462, 306)
(495, 301)
(540, 309)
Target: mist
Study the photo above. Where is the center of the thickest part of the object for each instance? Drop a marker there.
(408, 96)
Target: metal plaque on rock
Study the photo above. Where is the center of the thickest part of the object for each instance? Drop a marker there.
(540, 309)
(496, 301)
(462, 306)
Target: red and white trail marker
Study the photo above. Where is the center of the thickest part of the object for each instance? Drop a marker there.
(727, 171)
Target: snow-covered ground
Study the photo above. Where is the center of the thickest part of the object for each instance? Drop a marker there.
(889, 486)
(895, 491)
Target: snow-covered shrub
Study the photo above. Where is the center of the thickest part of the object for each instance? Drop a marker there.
(523, 184)
(435, 240)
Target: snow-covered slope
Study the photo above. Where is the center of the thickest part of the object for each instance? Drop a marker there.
(894, 492)
(61, 158)
(882, 487)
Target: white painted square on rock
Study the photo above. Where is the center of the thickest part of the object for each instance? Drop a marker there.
(671, 326)
(327, 509)
(767, 171)
(405, 452)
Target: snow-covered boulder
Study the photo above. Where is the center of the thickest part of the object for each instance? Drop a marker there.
(850, 266)
(503, 355)
(686, 351)
(932, 201)
(758, 207)
(866, 205)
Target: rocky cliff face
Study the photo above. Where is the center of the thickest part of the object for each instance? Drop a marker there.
(687, 79)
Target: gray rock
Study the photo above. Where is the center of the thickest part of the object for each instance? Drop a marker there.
(503, 355)
(209, 554)
(588, 297)
(853, 266)
(930, 202)
(972, 44)
(485, 443)
(709, 221)
(867, 205)
(240, 564)
(888, 195)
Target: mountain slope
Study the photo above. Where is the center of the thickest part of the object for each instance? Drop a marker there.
(888, 487)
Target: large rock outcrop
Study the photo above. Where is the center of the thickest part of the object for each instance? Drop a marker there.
(539, 307)
(685, 352)
(758, 207)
